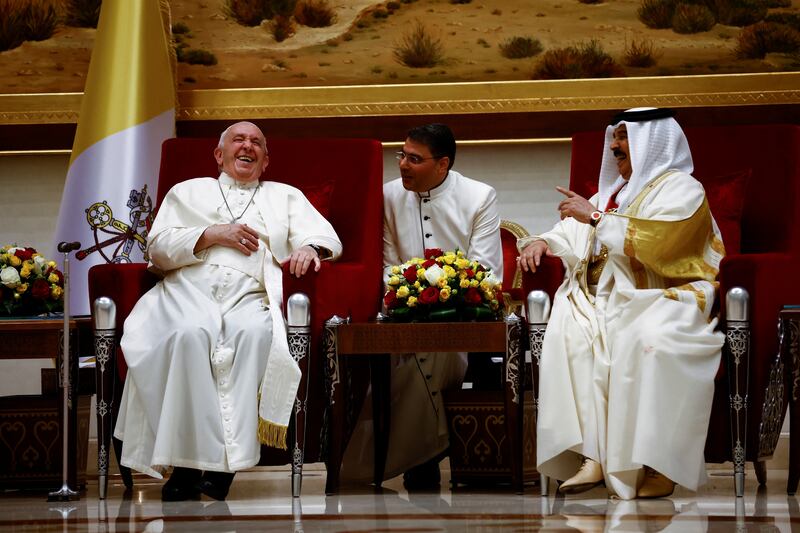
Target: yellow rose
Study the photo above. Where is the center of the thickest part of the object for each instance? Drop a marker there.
(402, 292)
(395, 270)
(25, 271)
(394, 280)
(449, 271)
(449, 258)
(22, 287)
(464, 283)
(56, 292)
(421, 273)
(444, 294)
(462, 263)
(473, 283)
(412, 301)
(442, 282)
(53, 277)
(479, 275)
(417, 285)
(14, 261)
(51, 264)
(485, 285)
(460, 253)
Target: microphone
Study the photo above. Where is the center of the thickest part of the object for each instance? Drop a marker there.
(67, 247)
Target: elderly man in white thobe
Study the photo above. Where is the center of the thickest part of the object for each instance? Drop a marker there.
(210, 377)
(429, 206)
(631, 349)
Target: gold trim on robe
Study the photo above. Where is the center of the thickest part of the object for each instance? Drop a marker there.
(673, 249)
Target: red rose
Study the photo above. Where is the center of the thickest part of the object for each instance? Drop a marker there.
(40, 289)
(25, 253)
(470, 273)
(390, 300)
(429, 263)
(473, 296)
(429, 296)
(410, 274)
(433, 252)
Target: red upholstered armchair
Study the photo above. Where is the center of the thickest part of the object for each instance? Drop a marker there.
(343, 178)
(752, 179)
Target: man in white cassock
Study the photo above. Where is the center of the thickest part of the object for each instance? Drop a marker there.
(210, 377)
(631, 349)
(429, 206)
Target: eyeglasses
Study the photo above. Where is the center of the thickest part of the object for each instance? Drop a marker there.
(414, 159)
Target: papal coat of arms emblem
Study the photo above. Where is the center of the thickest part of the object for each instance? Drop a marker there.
(114, 239)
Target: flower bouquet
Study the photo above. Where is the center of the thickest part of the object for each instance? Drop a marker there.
(29, 283)
(442, 286)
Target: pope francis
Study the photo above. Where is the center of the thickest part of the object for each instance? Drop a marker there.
(210, 375)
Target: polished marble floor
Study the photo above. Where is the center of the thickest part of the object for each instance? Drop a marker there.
(260, 501)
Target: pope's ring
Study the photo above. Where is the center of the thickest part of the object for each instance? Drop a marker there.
(243, 241)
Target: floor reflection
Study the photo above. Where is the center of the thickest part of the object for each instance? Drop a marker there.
(261, 501)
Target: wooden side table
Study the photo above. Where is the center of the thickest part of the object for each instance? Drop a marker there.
(376, 341)
(43, 339)
(789, 337)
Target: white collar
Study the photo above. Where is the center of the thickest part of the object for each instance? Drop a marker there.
(231, 182)
(441, 189)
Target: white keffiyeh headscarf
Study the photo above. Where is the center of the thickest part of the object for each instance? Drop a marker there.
(655, 146)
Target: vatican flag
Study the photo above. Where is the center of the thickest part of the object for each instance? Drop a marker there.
(128, 110)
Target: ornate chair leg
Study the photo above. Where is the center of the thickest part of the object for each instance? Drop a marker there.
(737, 341)
(538, 310)
(298, 320)
(105, 317)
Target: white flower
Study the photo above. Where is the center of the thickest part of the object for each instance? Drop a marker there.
(433, 274)
(9, 277)
(493, 281)
(39, 263)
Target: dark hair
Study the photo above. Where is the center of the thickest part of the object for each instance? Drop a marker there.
(438, 138)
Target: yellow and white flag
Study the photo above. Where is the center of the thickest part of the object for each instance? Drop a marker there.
(128, 110)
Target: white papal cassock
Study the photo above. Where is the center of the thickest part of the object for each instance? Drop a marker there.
(628, 365)
(461, 213)
(209, 340)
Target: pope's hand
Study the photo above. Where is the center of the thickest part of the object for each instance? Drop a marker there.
(237, 236)
(531, 255)
(301, 259)
(575, 206)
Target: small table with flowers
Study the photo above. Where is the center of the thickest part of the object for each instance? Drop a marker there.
(376, 341)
